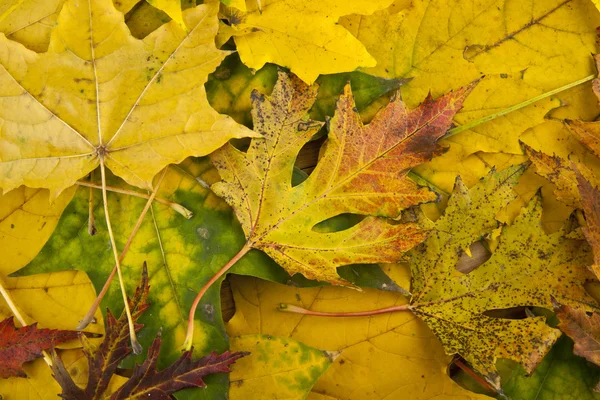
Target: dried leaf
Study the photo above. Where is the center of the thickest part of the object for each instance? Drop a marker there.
(584, 329)
(590, 200)
(362, 171)
(20, 345)
(137, 105)
(557, 171)
(182, 374)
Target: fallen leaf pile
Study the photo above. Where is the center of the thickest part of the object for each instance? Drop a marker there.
(325, 199)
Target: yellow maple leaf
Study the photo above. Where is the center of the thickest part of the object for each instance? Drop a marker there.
(171, 7)
(29, 21)
(27, 219)
(302, 35)
(390, 356)
(99, 96)
(362, 170)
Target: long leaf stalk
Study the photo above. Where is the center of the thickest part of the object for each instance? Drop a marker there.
(189, 338)
(175, 206)
(135, 344)
(299, 310)
(89, 316)
(516, 107)
(91, 220)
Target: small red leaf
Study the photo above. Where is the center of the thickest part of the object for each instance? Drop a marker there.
(19, 345)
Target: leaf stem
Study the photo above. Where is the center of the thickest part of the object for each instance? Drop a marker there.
(91, 222)
(89, 316)
(190, 328)
(299, 310)
(175, 206)
(474, 375)
(516, 107)
(135, 345)
(11, 304)
(17, 313)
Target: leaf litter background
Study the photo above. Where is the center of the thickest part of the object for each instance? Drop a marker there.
(523, 48)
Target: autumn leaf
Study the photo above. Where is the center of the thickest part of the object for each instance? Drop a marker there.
(181, 254)
(561, 375)
(588, 133)
(29, 22)
(470, 152)
(56, 292)
(27, 219)
(302, 35)
(20, 345)
(527, 268)
(145, 381)
(134, 105)
(590, 199)
(276, 367)
(362, 171)
(445, 45)
(103, 363)
(523, 50)
(230, 86)
(584, 329)
(557, 171)
(386, 356)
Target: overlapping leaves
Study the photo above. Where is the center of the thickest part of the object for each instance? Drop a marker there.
(363, 170)
(145, 381)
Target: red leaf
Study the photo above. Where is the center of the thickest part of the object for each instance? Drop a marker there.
(184, 373)
(114, 348)
(19, 345)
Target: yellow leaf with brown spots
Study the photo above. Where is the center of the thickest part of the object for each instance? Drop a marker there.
(527, 268)
(362, 170)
